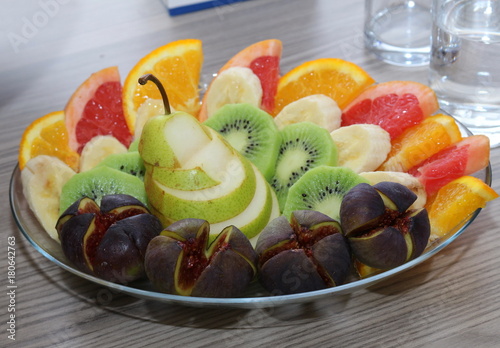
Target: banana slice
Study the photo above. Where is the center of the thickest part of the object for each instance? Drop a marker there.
(317, 108)
(232, 86)
(43, 178)
(405, 179)
(361, 147)
(97, 149)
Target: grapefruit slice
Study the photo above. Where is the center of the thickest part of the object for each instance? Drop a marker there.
(463, 158)
(95, 108)
(394, 106)
(420, 142)
(263, 58)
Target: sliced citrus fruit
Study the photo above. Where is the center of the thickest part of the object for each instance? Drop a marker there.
(455, 202)
(365, 271)
(47, 135)
(420, 142)
(336, 78)
(178, 66)
(263, 58)
(463, 158)
(394, 106)
(95, 108)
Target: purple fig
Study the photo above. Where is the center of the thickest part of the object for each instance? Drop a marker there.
(382, 231)
(110, 240)
(181, 261)
(308, 253)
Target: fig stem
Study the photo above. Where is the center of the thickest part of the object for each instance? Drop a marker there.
(150, 77)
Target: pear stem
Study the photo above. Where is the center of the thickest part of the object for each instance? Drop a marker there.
(150, 77)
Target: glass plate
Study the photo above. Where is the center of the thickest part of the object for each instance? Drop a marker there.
(254, 297)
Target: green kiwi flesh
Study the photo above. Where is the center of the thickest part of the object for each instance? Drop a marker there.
(134, 145)
(128, 162)
(304, 145)
(98, 182)
(322, 189)
(251, 131)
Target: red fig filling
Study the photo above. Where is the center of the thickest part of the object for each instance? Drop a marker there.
(292, 243)
(99, 228)
(193, 262)
(89, 206)
(308, 237)
(304, 238)
(195, 259)
(391, 218)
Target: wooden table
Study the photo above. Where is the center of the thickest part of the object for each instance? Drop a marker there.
(49, 47)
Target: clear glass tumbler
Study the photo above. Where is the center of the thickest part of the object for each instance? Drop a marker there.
(465, 63)
(399, 31)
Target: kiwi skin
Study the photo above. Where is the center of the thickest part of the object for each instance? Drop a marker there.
(128, 162)
(322, 189)
(99, 182)
(251, 131)
(304, 145)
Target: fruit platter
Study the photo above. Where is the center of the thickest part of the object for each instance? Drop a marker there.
(261, 188)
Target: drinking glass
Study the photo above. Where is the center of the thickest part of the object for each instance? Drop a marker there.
(465, 63)
(399, 31)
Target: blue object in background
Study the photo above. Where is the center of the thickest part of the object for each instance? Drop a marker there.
(196, 6)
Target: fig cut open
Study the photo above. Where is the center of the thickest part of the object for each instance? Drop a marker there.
(182, 261)
(382, 231)
(308, 253)
(110, 240)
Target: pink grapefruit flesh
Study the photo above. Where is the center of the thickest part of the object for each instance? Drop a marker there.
(463, 158)
(95, 108)
(394, 106)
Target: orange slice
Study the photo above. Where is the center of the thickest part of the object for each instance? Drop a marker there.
(455, 202)
(420, 142)
(336, 78)
(178, 66)
(47, 135)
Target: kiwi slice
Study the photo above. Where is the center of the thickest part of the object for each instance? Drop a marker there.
(128, 162)
(251, 131)
(322, 189)
(98, 182)
(304, 145)
(134, 145)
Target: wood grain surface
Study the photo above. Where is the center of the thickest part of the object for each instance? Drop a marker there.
(48, 47)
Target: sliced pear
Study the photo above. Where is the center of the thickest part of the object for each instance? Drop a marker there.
(183, 179)
(217, 203)
(186, 136)
(169, 141)
(275, 212)
(149, 109)
(262, 208)
(153, 146)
